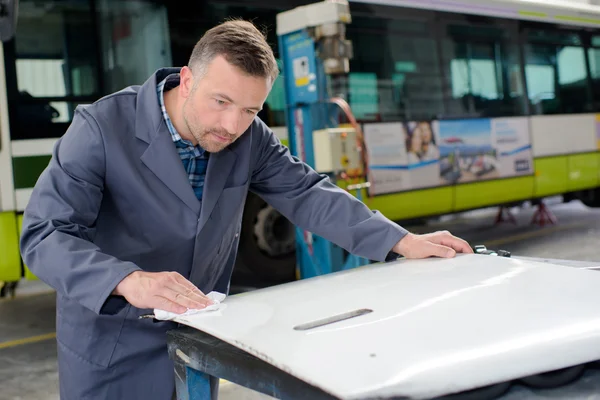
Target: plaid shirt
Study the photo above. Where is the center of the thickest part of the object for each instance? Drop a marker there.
(195, 159)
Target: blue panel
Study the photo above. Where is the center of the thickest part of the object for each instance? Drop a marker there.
(198, 384)
(300, 68)
(306, 93)
(317, 256)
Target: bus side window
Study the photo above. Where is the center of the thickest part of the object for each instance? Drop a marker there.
(481, 68)
(555, 68)
(594, 59)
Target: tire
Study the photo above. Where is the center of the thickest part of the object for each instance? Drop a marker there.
(591, 198)
(553, 379)
(267, 242)
(484, 393)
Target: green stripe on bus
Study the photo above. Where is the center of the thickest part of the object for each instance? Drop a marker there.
(488, 193)
(10, 258)
(583, 171)
(413, 204)
(551, 175)
(578, 19)
(533, 14)
(26, 170)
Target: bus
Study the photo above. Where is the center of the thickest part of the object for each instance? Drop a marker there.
(464, 104)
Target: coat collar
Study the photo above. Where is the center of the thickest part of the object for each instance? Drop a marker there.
(149, 121)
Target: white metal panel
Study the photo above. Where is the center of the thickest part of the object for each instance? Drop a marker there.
(437, 325)
(281, 132)
(22, 197)
(33, 147)
(335, 150)
(562, 134)
(554, 11)
(7, 195)
(311, 15)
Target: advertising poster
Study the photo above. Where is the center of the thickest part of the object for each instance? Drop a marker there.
(387, 157)
(401, 156)
(598, 131)
(481, 149)
(423, 154)
(467, 151)
(513, 144)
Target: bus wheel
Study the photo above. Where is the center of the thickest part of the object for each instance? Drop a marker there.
(590, 198)
(267, 242)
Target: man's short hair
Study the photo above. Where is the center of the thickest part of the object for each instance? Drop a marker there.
(241, 44)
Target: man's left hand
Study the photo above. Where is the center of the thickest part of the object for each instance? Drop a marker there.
(437, 244)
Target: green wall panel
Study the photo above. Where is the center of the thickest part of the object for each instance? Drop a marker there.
(10, 258)
(28, 274)
(26, 170)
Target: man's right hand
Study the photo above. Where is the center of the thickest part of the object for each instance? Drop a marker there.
(168, 291)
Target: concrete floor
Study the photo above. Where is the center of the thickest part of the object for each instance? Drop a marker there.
(28, 351)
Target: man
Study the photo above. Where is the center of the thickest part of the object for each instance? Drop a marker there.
(141, 206)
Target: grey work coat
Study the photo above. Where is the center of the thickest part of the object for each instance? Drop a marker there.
(115, 199)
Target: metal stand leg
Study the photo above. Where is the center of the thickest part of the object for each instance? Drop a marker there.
(191, 384)
(500, 217)
(543, 216)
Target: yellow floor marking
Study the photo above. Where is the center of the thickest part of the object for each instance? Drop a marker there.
(25, 295)
(32, 339)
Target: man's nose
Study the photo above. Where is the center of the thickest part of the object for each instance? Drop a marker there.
(231, 121)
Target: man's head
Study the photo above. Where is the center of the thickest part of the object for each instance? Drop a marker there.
(227, 80)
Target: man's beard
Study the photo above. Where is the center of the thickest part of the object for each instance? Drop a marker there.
(203, 136)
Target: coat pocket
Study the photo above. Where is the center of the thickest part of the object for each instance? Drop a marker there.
(90, 336)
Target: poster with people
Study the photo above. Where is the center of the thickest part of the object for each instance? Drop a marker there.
(402, 156)
(421, 154)
(386, 150)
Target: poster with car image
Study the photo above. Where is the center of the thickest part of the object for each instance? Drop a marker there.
(482, 149)
(467, 151)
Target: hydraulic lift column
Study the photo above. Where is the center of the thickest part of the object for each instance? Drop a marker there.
(315, 56)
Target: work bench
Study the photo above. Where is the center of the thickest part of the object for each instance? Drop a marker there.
(197, 354)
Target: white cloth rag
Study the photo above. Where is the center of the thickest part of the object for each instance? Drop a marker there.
(216, 297)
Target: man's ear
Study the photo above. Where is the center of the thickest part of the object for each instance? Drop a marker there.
(186, 81)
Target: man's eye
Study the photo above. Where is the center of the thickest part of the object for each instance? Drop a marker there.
(220, 102)
(251, 112)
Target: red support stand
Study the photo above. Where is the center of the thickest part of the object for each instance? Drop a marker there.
(543, 216)
(500, 217)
